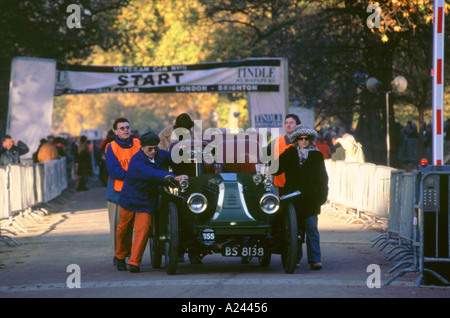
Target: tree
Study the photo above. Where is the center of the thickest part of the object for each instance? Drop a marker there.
(152, 34)
(327, 43)
(39, 28)
(401, 45)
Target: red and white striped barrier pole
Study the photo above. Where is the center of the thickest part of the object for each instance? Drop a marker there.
(438, 82)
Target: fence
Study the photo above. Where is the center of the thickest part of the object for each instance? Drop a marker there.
(412, 207)
(403, 231)
(358, 192)
(434, 221)
(25, 189)
(419, 226)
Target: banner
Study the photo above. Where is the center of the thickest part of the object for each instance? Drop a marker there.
(250, 75)
(31, 101)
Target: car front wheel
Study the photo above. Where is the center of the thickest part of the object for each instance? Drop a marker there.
(171, 243)
(289, 249)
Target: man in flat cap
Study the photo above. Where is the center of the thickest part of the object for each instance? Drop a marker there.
(146, 171)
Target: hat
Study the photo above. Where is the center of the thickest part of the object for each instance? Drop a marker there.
(149, 139)
(301, 130)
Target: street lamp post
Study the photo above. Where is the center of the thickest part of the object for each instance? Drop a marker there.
(398, 85)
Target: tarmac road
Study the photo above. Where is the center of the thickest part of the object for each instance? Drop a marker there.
(78, 234)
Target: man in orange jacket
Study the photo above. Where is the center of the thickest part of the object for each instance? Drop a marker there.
(284, 142)
(117, 157)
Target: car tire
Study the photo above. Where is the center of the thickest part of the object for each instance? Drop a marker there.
(289, 249)
(155, 246)
(171, 243)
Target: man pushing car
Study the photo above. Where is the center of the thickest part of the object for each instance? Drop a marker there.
(146, 171)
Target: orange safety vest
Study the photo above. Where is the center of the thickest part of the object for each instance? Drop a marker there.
(123, 155)
(280, 180)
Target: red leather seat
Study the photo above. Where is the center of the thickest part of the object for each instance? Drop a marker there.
(233, 153)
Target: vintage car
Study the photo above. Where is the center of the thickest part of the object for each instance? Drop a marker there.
(226, 206)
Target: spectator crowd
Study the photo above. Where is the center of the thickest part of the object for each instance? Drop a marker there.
(404, 143)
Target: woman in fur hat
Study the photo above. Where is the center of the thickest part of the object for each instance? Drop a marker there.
(304, 168)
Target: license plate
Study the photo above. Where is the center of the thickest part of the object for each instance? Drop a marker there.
(250, 251)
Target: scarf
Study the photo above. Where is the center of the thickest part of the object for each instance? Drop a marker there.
(303, 153)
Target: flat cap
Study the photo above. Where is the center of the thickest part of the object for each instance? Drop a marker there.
(149, 139)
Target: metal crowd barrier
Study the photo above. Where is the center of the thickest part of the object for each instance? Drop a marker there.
(25, 191)
(402, 233)
(358, 192)
(434, 220)
(412, 207)
(419, 226)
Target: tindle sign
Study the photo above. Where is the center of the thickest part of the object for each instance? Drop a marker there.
(269, 120)
(250, 75)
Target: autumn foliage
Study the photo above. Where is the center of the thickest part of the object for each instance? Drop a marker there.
(327, 43)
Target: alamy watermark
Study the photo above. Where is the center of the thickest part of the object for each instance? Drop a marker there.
(74, 279)
(74, 19)
(374, 279)
(374, 20)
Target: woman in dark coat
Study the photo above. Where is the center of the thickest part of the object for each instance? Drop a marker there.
(84, 165)
(304, 168)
